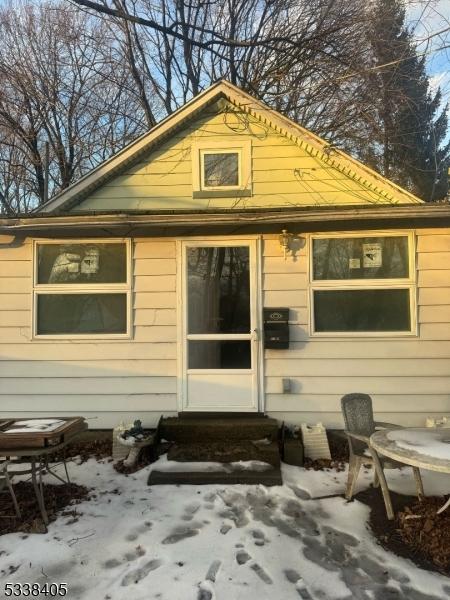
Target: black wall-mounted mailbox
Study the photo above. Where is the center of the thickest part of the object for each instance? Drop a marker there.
(276, 328)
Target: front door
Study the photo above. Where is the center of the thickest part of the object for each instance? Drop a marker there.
(220, 336)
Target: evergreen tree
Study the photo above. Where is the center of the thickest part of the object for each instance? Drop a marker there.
(409, 126)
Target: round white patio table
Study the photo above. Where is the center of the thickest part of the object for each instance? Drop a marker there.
(426, 448)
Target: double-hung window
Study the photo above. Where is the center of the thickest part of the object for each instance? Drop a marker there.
(362, 284)
(81, 289)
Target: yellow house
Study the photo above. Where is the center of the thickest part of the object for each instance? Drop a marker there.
(226, 261)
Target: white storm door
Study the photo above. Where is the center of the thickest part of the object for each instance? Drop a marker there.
(220, 341)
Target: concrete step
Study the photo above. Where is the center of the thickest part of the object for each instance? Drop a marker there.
(216, 429)
(247, 477)
(226, 452)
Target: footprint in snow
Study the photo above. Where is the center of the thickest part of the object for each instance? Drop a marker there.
(190, 510)
(204, 592)
(259, 537)
(136, 532)
(137, 575)
(112, 563)
(213, 570)
(206, 589)
(262, 574)
(242, 557)
(293, 577)
(301, 493)
(137, 553)
(210, 497)
(181, 533)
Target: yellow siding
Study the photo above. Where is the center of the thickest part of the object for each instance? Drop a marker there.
(407, 378)
(283, 174)
(107, 381)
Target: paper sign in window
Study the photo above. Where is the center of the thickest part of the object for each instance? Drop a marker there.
(372, 256)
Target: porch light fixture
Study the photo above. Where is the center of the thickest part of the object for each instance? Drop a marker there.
(285, 240)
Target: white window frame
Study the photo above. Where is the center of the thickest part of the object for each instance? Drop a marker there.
(82, 288)
(408, 283)
(241, 148)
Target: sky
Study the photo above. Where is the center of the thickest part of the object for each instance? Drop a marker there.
(427, 18)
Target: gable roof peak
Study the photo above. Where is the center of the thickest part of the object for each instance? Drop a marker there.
(311, 143)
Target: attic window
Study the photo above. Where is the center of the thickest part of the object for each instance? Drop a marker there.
(220, 171)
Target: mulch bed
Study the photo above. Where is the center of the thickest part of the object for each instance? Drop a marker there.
(423, 530)
(417, 532)
(57, 498)
(88, 448)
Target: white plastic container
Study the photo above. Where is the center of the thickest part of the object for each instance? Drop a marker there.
(315, 441)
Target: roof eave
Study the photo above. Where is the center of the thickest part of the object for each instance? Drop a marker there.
(428, 213)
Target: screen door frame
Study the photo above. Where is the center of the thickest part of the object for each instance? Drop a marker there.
(255, 374)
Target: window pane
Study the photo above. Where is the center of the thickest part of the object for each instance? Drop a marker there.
(81, 313)
(220, 354)
(361, 258)
(218, 289)
(362, 310)
(221, 169)
(82, 263)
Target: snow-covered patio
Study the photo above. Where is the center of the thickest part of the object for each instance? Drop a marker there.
(138, 542)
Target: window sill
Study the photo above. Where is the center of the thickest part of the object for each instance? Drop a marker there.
(62, 337)
(238, 193)
(333, 335)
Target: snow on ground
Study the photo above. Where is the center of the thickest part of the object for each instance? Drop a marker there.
(173, 466)
(215, 542)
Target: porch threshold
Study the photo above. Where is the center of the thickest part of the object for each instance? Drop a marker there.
(221, 415)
